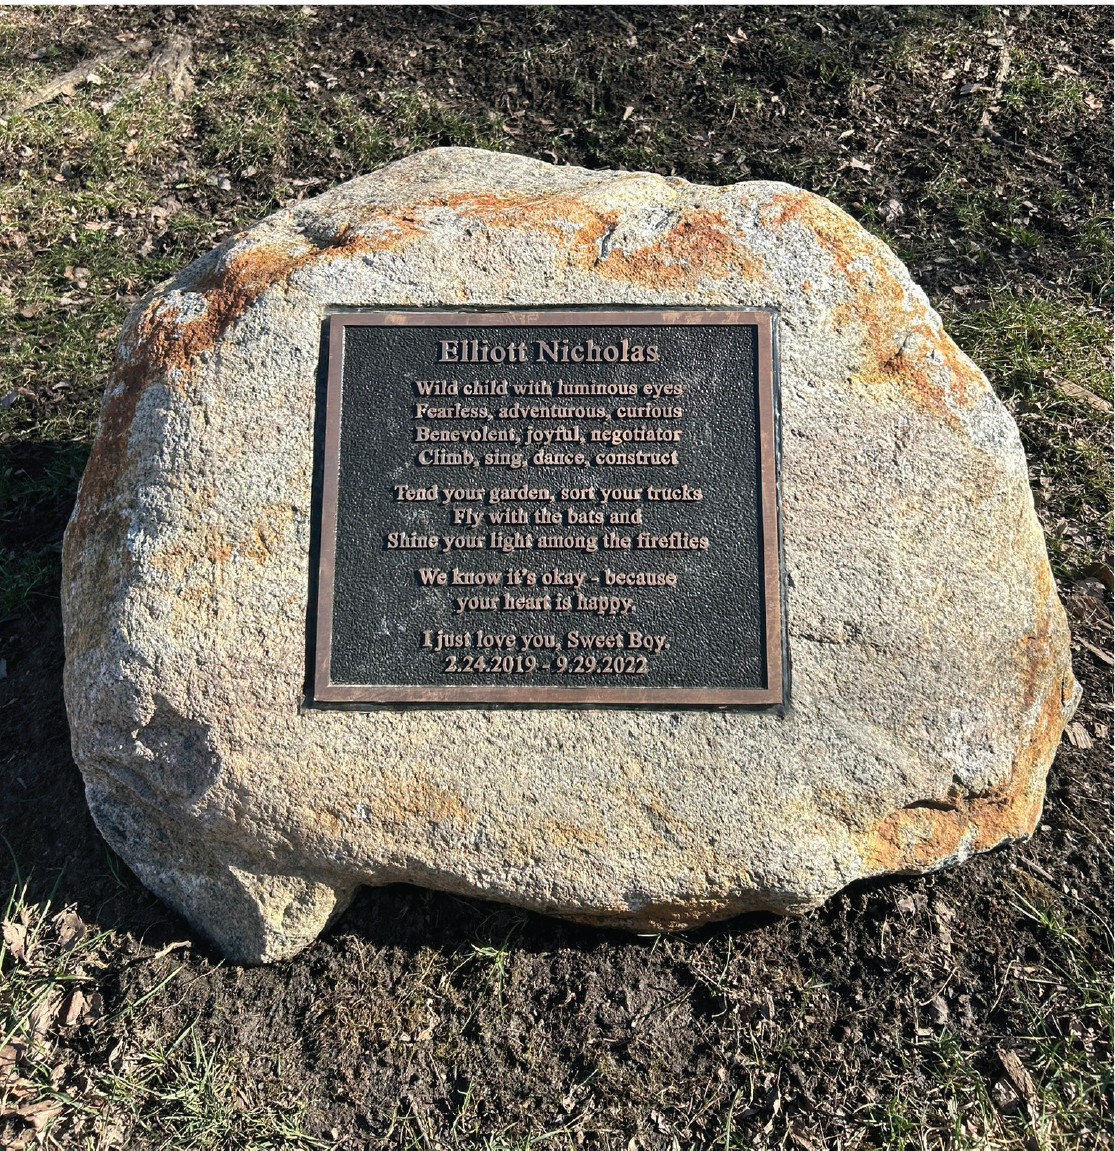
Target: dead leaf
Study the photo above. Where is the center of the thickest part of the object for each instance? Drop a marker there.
(94, 1007)
(22, 1089)
(73, 1008)
(1078, 736)
(1082, 604)
(15, 934)
(627, 112)
(79, 1008)
(1093, 103)
(892, 209)
(39, 1114)
(43, 1014)
(10, 1055)
(1103, 572)
(969, 89)
(1005, 1098)
(860, 165)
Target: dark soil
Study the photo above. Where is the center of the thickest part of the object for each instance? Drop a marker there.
(424, 1019)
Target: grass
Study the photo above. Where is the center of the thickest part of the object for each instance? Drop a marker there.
(127, 1088)
(183, 1095)
(1068, 1008)
(1047, 96)
(23, 577)
(1031, 348)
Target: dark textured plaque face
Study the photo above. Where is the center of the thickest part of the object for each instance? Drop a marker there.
(550, 507)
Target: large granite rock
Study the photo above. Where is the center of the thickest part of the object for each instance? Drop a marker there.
(931, 676)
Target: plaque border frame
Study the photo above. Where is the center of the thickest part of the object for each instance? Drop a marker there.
(773, 694)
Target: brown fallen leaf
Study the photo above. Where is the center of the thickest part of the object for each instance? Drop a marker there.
(1102, 572)
(79, 1008)
(71, 930)
(72, 1008)
(1087, 609)
(1004, 1096)
(15, 934)
(1078, 736)
(892, 209)
(10, 1055)
(21, 1089)
(94, 1007)
(43, 1014)
(39, 1114)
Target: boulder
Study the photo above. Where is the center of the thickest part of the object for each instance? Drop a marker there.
(930, 658)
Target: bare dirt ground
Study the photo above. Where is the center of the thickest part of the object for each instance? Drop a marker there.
(971, 1008)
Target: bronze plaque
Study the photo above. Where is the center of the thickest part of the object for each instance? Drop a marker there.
(550, 507)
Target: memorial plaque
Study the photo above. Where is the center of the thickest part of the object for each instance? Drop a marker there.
(550, 507)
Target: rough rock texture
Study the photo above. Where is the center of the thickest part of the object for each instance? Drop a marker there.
(931, 675)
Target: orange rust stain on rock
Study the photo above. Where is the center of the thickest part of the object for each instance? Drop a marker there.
(561, 217)
(215, 546)
(268, 529)
(230, 290)
(109, 450)
(554, 833)
(186, 552)
(158, 342)
(701, 243)
(886, 317)
(915, 838)
(420, 800)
